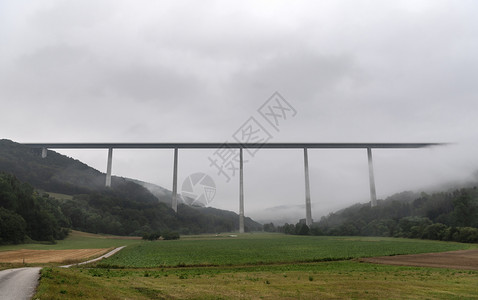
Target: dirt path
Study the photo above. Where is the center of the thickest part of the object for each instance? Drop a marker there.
(462, 259)
(112, 252)
(49, 256)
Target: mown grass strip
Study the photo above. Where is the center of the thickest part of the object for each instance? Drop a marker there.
(344, 279)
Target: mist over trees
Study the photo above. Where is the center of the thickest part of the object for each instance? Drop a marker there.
(447, 216)
(127, 208)
(114, 212)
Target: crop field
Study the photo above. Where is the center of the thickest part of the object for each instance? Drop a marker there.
(76, 247)
(49, 256)
(261, 266)
(78, 240)
(267, 249)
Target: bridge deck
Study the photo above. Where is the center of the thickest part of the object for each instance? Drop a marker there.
(229, 145)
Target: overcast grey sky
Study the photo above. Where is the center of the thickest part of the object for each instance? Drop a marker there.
(196, 71)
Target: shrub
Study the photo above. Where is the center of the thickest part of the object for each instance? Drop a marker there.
(301, 229)
(151, 236)
(466, 235)
(12, 227)
(170, 235)
(412, 227)
(435, 231)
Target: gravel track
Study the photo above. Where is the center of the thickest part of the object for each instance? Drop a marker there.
(96, 259)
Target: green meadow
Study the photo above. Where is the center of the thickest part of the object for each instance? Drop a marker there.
(260, 266)
(261, 248)
(324, 280)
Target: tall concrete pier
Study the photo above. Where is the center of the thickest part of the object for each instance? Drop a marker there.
(241, 192)
(371, 177)
(109, 167)
(174, 204)
(308, 209)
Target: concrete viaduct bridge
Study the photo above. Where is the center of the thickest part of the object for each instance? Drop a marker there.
(240, 146)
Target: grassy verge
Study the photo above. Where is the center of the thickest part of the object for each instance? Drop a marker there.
(344, 279)
(4, 266)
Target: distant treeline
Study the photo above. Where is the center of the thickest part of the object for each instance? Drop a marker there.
(447, 216)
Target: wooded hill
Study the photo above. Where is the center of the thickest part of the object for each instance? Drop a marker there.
(126, 208)
(448, 216)
(25, 214)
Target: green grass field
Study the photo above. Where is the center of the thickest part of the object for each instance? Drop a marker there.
(267, 248)
(325, 280)
(259, 266)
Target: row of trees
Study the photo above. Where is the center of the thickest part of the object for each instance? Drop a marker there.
(407, 227)
(167, 235)
(298, 229)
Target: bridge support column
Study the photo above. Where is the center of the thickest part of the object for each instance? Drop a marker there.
(44, 152)
(241, 192)
(308, 210)
(174, 204)
(373, 195)
(108, 167)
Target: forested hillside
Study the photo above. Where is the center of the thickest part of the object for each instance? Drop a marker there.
(24, 214)
(450, 216)
(112, 212)
(54, 173)
(127, 208)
